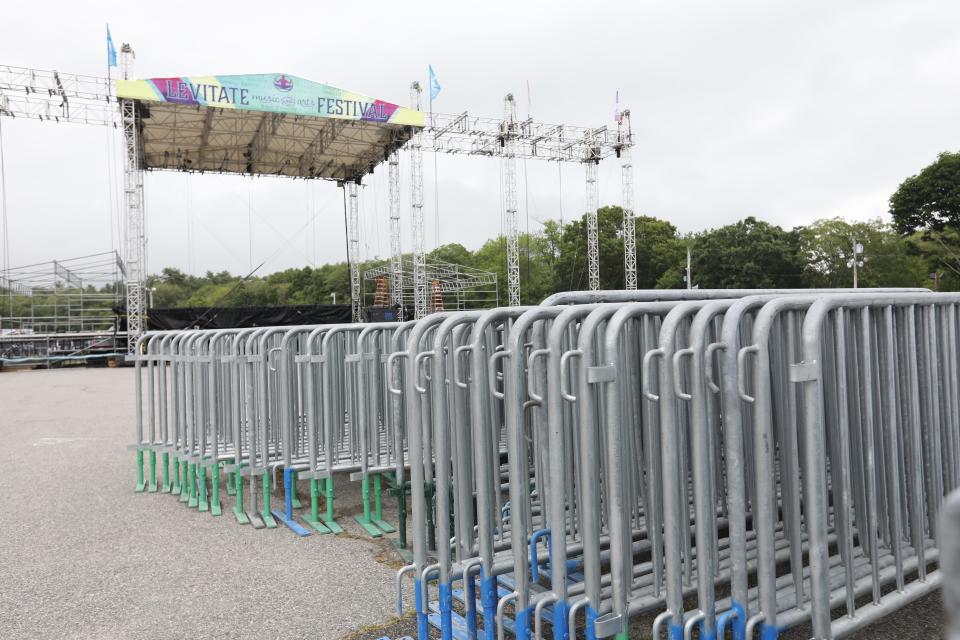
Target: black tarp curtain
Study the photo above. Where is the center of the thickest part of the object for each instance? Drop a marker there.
(242, 317)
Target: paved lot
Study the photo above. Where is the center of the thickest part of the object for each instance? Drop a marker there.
(83, 556)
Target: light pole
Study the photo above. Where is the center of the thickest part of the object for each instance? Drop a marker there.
(855, 261)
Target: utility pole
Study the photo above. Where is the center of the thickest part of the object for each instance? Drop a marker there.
(689, 269)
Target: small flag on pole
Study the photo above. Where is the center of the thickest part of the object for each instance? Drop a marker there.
(617, 116)
(111, 51)
(434, 84)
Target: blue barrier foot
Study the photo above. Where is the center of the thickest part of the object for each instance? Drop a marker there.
(291, 524)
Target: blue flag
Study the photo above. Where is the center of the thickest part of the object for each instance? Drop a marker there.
(434, 83)
(111, 52)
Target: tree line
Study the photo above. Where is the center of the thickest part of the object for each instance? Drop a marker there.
(920, 247)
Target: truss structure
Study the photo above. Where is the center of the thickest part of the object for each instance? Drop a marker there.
(353, 235)
(416, 213)
(593, 244)
(509, 162)
(291, 145)
(629, 228)
(396, 253)
(57, 97)
(462, 288)
(134, 238)
(511, 139)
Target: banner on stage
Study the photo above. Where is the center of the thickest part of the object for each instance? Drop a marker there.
(277, 93)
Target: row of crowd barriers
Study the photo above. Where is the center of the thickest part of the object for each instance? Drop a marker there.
(309, 401)
(731, 463)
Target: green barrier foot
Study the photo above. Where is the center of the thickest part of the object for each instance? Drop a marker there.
(230, 490)
(368, 527)
(153, 472)
(268, 520)
(241, 516)
(166, 473)
(184, 482)
(203, 503)
(317, 525)
(175, 487)
(333, 526)
(216, 509)
(141, 485)
(384, 526)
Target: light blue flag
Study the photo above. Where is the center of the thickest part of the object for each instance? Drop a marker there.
(434, 83)
(111, 52)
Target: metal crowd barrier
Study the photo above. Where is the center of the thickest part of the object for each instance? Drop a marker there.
(726, 463)
(593, 461)
(307, 401)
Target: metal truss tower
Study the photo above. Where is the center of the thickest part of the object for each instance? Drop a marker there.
(353, 235)
(509, 160)
(134, 233)
(626, 179)
(416, 203)
(396, 255)
(593, 244)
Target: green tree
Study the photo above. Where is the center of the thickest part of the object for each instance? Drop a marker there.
(827, 246)
(749, 254)
(930, 200)
(940, 252)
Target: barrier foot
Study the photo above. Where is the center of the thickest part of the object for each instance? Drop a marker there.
(290, 523)
(256, 520)
(378, 520)
(364, 520)
(204, 503)
(313, 519)
(368, 526)
(175, 487)
(238, 511)
(333, 526)
(165, 461)
(141, 485)
(184, 481)
(317, 525)
(192, 501)
(265, 514)
(153, 472)
(328, 519)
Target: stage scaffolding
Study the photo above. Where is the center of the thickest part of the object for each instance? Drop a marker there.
(62, 308)
(450, 287)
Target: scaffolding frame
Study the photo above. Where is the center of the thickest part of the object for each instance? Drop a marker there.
(48, 308)
(463, 288)
(55, 96)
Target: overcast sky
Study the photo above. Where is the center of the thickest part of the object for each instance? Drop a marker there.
(789, 111)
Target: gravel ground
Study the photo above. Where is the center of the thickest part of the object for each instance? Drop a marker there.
(84, 556)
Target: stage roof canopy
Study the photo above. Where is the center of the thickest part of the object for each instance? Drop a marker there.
(265, 124)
